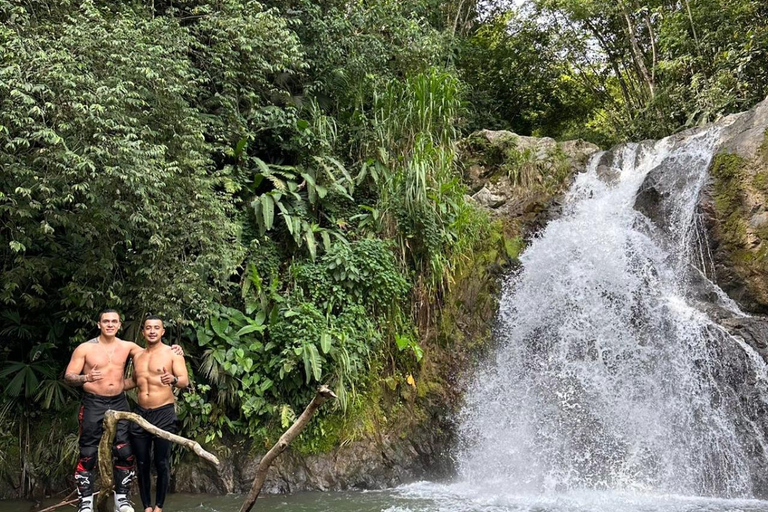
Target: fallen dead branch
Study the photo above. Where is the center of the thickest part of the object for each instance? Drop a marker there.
(322, 395)
(105, 451)
(66, 501)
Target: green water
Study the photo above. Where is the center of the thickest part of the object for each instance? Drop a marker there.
(433, 497)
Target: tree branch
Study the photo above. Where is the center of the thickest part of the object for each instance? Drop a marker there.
(66, 501)
(108, 438)
(323, 394)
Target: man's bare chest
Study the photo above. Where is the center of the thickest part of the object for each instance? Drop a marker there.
(107, 356)
(153, 363)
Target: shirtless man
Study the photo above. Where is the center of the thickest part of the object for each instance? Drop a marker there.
(156, 371)
(98, 365)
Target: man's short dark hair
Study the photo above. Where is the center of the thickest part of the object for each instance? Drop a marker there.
(152, 317)
(105, 311)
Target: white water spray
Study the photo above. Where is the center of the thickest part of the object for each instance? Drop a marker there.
(607, 375)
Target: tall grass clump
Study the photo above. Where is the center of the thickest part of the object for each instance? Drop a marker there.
(421, 196)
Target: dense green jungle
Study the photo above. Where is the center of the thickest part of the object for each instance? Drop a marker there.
(285, 184)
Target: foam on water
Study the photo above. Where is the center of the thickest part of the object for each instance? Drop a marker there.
(464, 497)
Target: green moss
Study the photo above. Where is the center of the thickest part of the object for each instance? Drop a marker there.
(514, 246)
(321, 436)
(727, 173)
(479, 150)
(760, 181)
(327, 432)
(726, 166)
(471, 301)
(743, 256)
(724, 203)
(738, 184)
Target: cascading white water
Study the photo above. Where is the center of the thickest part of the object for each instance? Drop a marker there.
(606, 375)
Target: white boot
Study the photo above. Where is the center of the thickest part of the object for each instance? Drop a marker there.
(86, 504)
(122, 503)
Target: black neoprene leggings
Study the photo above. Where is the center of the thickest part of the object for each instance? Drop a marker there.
(143, 442)
(141, 449)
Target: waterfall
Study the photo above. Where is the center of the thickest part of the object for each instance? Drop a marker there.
(608, 373)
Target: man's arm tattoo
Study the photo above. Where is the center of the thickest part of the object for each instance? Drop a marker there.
(75, 379)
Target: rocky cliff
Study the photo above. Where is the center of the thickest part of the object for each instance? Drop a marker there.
(732, 242)
(735, 209)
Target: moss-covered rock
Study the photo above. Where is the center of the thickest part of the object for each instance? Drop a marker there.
(518, 178)
(737, 221)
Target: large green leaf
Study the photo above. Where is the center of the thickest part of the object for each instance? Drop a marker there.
(203, 336)
(259, 318)
(219, 325)
(309, 236)
(313, 365)
(325, 342)
(251, 328)
(289, 222)
(24, 379)
(268, 211)
(11, 367)
(326, 240)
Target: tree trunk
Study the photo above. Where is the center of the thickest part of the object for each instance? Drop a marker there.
(652, 37)
(323, 394)
(637, 54)
(614, 59)
(105, 451)
(693, 25)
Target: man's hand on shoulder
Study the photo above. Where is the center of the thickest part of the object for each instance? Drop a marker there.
(177, 350)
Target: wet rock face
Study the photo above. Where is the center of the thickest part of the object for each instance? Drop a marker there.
(752, 330)
(738, 255)
(748, 387)
(650, 200)
(734, 206)
(365, 464)
(744, 389)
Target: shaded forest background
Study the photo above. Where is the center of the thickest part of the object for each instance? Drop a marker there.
(281, 180)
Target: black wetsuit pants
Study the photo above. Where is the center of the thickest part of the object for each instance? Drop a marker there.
(143, 442)
(91, 418)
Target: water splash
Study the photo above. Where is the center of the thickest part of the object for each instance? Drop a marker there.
(607, 375)
(434, 497)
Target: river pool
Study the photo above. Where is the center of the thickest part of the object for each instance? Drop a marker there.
(433, 497)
